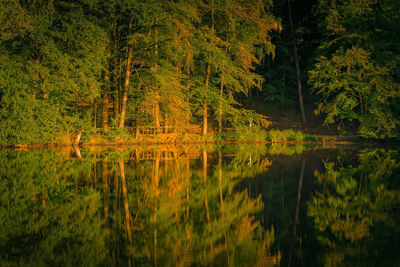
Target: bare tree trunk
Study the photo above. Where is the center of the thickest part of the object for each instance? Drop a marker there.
(95, 114)
(157, 114)
(188, 59)
(205, 107)
(104, 112)
(104, 106)
(116, 75)
(205, 114)
(77, 139)
(125, 88)
(116, 104)
(127, 78)
(296, 59)
(156, 99)
(208, 72)
(220, 108)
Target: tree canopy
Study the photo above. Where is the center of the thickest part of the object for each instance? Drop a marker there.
(74, 66)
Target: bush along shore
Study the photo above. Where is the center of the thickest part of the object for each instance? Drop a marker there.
(121, 137)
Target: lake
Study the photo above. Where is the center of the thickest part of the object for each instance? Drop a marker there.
(230, 205)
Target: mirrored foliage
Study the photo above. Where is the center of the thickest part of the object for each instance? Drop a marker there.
(355, 209)
(202, 205)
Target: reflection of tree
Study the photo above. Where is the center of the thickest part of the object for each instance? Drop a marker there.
(249, 160)
(109, 207)
(296, 218)
(354, 211)
(44, 220)
(198, 216)
(283, 195)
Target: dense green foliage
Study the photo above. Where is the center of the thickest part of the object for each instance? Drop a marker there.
(73, 66)
(51, 58)
(358, 65)
(69, 66)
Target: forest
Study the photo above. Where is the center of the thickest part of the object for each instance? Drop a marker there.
(95, 66)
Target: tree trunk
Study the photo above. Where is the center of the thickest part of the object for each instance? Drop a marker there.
(125, 87)
(104, 112)
(77, 139)
(116, 75)
(296, 59)
(104, 106)
(188, 59)
(208, 71)
(220, 108)
(156, 99)
(95, 114)
(205, 114)
(116, 93)
(157, 115)
(205, 108)
(116, 105)
(127, 78)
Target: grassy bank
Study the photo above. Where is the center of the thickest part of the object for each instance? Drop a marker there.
(118, 137)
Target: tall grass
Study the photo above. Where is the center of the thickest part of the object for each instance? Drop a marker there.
(284, 136)
(253, 134)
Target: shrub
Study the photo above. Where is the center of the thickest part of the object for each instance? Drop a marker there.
(111, 134)
(282, 136)
(276, 136)
(254, 134)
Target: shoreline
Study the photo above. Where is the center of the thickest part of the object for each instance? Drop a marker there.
(320, 140)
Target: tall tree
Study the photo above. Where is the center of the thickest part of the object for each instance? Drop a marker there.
(296, 60)
(236, 39)
(51, 66)
(357, 69)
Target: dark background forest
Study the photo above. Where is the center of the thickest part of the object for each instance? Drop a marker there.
(69, 67)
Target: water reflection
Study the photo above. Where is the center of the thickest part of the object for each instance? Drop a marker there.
(355, 210)
(46, 218)
(249, 205)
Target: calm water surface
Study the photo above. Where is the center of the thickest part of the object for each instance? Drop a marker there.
(248, 205)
